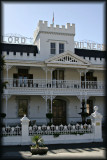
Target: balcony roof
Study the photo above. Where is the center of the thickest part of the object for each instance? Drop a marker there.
(90, 53)
(19, 48)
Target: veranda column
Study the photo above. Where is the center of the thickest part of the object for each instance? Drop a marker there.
(51, 70)
(45, 97)
(7, 67)
(46, 78)
(7, 71)
(80, 79)
(6, 98)
(85, 77)
(80, 71)
(51, 78)
(52, 97)
(51, 103)
(46, 70)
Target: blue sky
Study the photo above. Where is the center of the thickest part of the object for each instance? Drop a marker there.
(22, 18)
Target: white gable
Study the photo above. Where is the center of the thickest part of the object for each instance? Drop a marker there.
(67, 58)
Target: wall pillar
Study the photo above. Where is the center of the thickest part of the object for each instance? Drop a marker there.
(25, 130)
(96, 121)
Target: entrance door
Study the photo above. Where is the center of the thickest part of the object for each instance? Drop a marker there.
(59, 112)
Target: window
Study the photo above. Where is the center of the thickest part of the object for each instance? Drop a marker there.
(58, 75)
(23, 78)
(89, 106)
(61, 48)
(22, 107)
(53, 48)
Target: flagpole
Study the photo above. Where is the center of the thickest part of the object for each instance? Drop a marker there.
(53, 19)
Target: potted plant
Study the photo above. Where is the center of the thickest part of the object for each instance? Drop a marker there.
(39, 147)
(49, 116)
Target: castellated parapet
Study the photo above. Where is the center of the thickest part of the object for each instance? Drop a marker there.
(43, 27)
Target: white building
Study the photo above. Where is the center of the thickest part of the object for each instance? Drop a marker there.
(52, 76)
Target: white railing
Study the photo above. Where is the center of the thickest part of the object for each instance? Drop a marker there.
(11, 131)
(43, 83)
(67, 129)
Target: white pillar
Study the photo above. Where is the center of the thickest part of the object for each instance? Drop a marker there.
(46, 78)
(80, 79)
(96, 121)
(25, 130)
(6, 99)
(7, 71)
(85, 80)
(6, 108)
(51, 104)
(51, 78)
(46, 103)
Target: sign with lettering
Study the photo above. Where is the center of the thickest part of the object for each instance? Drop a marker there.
(90, 46)
(16, 40)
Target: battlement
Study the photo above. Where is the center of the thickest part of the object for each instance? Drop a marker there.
(43, 26)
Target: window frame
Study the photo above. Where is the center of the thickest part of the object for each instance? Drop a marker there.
(52, 48)
(21, 99)
(60, 49)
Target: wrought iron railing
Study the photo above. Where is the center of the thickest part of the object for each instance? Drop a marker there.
(61, 129)
(11, 131)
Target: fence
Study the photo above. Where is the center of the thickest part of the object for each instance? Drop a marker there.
(64, 134)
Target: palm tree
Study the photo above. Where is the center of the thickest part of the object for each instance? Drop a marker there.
(37, 139)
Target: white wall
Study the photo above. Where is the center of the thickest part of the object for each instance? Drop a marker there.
(44, 35)
(37, 108)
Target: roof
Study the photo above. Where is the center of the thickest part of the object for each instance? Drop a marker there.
(19, 48)
(90, 53)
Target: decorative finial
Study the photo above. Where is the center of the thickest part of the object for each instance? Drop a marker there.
(95, 108)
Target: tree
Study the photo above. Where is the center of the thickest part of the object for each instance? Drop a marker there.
(2, 62)
(2, 84)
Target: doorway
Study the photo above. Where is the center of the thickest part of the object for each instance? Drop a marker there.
(59, 112)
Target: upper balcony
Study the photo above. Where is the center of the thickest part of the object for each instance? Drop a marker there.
(54, 87)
